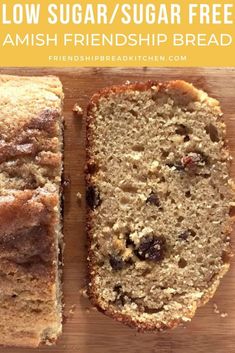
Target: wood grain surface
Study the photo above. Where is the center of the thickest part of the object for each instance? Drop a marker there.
(85, 329)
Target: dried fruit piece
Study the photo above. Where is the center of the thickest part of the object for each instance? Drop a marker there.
(182, 263)
(116, 263)
(186, 138)
(188, 193)
(152, 248)
(192, 160)
(93, 197)
(117, 288)
(153, 199)
(182, 130)
(212, 131)
(129, 241)
(133, 112)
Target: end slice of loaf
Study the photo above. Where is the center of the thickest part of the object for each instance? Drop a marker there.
(30, 215)
(159, 198)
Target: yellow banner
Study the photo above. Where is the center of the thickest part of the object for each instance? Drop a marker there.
(117, 33)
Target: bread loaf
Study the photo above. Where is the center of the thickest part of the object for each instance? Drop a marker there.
(30, 221)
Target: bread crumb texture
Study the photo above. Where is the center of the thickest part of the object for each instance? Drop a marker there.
(159, 199)
(30, 231)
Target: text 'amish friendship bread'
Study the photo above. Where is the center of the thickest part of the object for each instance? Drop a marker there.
(159, 197)
(30, 221)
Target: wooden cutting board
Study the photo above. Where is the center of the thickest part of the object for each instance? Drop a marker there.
(86, 330)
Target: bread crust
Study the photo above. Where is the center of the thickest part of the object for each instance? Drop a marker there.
(188, 92)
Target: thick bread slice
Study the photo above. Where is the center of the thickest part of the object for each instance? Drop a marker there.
(30, 221)
(159, 197)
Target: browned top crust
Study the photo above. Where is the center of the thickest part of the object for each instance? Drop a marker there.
(30, 179)
(184, 91)
(30, 126)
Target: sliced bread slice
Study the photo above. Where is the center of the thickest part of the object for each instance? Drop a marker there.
(159, 197)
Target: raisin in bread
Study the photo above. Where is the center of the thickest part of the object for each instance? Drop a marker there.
(30, 220)
(159, 196)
